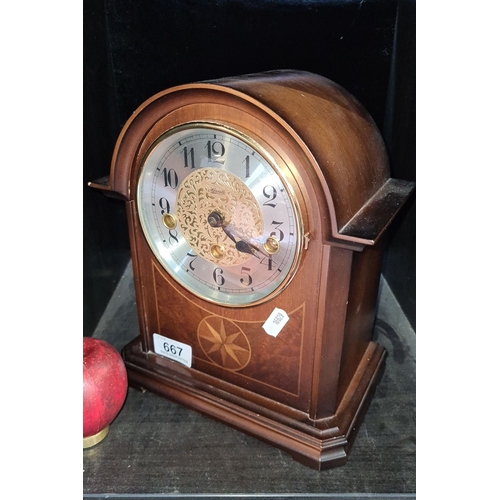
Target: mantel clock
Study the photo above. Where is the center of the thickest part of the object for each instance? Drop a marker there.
(256, 208)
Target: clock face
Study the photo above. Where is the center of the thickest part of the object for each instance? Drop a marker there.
(218, 215)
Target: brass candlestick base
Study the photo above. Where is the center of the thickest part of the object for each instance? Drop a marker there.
(96, 438)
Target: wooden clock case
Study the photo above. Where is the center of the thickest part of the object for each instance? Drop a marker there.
(306, 390)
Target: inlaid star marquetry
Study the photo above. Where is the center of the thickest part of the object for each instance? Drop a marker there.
(224, 342)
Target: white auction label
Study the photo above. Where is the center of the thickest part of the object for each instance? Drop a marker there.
(275, 323)
(173, 349)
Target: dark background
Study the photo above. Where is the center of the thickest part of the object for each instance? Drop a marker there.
(134, 49)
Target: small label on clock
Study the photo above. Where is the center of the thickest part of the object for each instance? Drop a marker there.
(173, 349)
(275, 323)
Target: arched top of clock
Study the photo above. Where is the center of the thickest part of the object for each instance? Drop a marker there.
(343, 151)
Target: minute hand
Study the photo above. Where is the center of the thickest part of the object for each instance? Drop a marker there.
(242, 245)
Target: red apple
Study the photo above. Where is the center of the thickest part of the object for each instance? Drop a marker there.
(104, 388)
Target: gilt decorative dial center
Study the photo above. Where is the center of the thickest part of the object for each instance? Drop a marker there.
(224, 342)
(212, 190)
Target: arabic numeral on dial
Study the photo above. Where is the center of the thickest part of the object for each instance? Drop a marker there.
(246, 161)
(172, 237)
(217, 275)
(270, 193)
(268, 262)
(171, 178)
(248, 280)
(188, 157)
(193, 258)
(216, 151)
(164, 205)
(278, 233)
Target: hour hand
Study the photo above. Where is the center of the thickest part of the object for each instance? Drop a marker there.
(245, 247)
(229, 234)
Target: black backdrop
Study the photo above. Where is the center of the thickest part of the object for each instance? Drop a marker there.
(134, 49)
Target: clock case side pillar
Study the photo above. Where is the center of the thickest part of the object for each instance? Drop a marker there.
(336, 268)
(139, 291)
(344, 343)
(361, 311)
